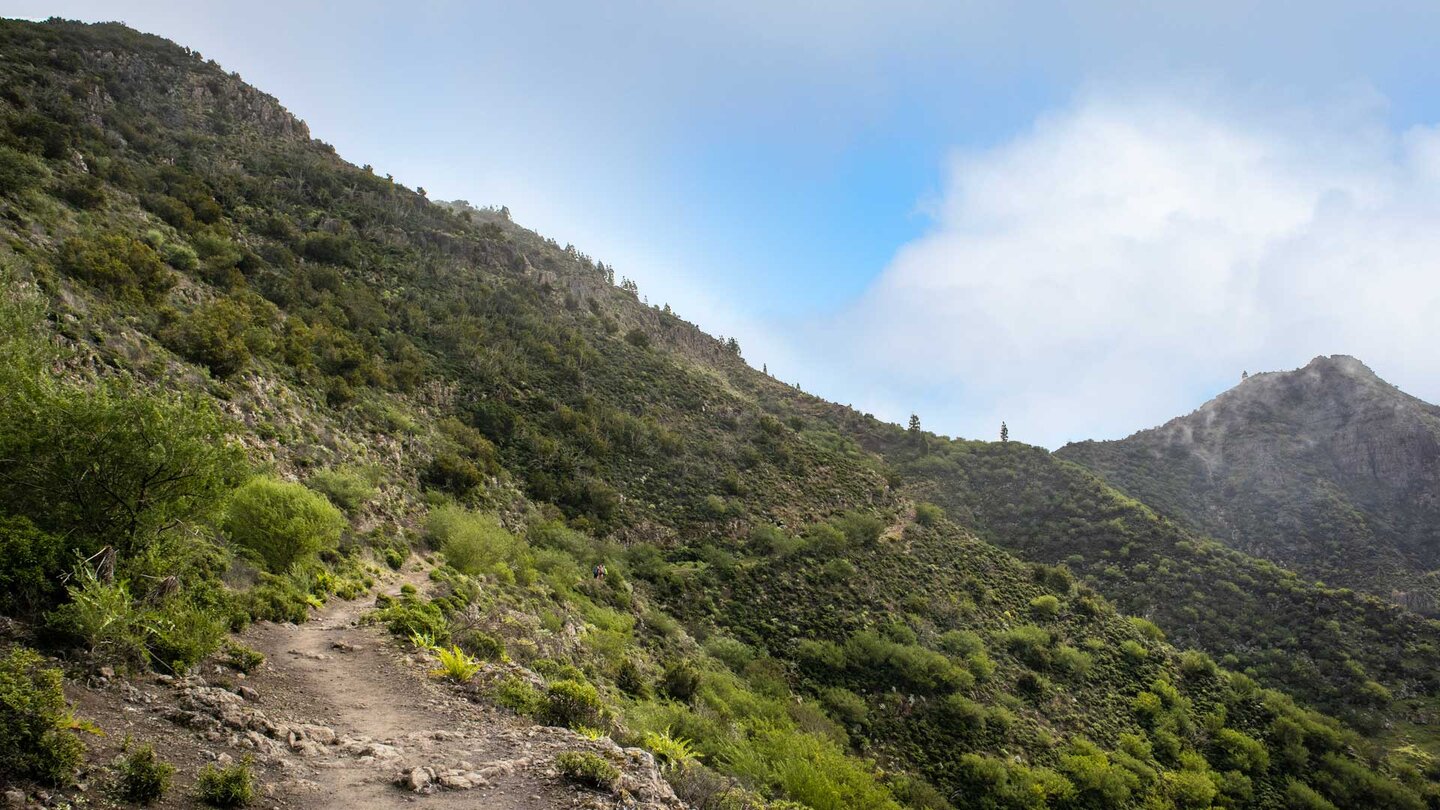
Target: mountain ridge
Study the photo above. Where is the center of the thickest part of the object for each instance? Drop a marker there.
(635, 533)
(1328, 469)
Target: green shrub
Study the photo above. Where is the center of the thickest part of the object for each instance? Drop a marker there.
(217, 335)
(961, 643)
(572, 704)
(230, 786)
(1300, 796)
(1030, 644)
(820, 657)
(242, 658)
(116, 260)
(283, 523)
(680, 681)
(19, 171)
(928, 514)
(1196, 664)
(473, 543)
(1238, 751)
(731, 651)
(807, 768)
(180, 256)
(519, 696)
(346, 488)
(630, 680)
(588, 769)
(844, 705)
(860, 528)
(31, 562)
(142, 777)
(1147, 629)
(484, 646)
(82, 190)
(114, 464)
(453, 473)
(410, 616)
(1071, 661)
(103, 616)
(1045, 607)
(36, 741)
(181, 634)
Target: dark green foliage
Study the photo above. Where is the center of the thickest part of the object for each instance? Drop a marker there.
(35, 737)
(572, 704)
(680, 681)
(283, 523)
(31, 563)
(115, 465)
(242, 658)
(141, 776)
(81, 190)
(217, 335)
(19, 172)
(483, 646)
(118, 261)
(229, 786)
(588, 769)
(411, 616)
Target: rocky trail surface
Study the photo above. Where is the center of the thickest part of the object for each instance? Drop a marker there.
(340, 716)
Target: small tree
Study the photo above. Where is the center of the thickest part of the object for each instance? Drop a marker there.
(914, 427)
(284, 523)
(1004, 433)
(113, 466)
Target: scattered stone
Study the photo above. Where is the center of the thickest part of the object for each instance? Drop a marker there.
(15, 798)
(248, 694)
(320, 734)
(343, 646)
(309, 655)
(418, 779)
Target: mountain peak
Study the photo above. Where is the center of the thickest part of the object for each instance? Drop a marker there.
(1327, 469)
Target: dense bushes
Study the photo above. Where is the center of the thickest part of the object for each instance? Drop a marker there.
(114, 465)
(347, 488)
(36, 741)
(574, 704)
(30, 563)
(588, 769)
(283, 523)
(226, 787)
(118, 261)
(141, 776)
(219, 335)
(473, 543)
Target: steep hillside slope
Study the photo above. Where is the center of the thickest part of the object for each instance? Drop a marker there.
(1327, 470)
(641, 536)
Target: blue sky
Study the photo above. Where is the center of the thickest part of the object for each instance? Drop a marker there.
(1082, 218)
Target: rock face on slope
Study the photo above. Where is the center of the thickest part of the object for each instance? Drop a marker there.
(1328, 469)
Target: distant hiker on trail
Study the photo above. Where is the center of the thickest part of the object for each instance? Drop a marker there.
(599, 570)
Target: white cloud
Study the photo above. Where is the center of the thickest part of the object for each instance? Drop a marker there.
(1119, 261)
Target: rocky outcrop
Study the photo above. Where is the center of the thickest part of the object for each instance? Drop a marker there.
(1327, 469)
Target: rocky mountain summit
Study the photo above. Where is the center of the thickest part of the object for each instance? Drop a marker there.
(1327, 469)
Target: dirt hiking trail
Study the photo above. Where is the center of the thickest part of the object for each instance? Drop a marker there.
(342, 716)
